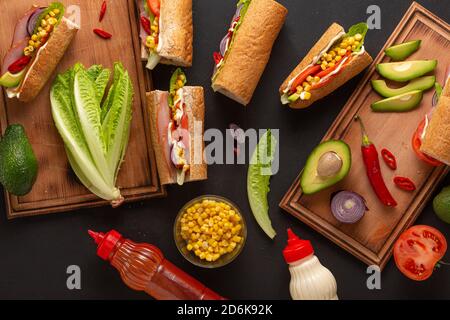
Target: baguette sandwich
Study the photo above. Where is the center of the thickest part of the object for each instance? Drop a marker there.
(176, 125)
(435, 132)
(166, 32)
(336, 58)
(245, 49)
(41, 37)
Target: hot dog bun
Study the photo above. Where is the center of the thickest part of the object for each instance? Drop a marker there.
(47, 60)
(355, 66)
(195, 110)
(436, 142)
(245, 61)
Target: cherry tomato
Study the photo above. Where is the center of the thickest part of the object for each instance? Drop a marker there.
(154, 6)
(417, 251)
(417, 142)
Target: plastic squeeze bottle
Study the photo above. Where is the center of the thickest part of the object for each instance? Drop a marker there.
(310, 280)
(143, 267)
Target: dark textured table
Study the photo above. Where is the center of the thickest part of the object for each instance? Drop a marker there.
(35, 252)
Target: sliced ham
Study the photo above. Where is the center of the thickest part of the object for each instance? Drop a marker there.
(14, 54)
(21, 29)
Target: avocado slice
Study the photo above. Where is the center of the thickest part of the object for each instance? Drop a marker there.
(401, 103)
(402, 51)
(406, 70)
(422, 83)
(11, 80)
(327, 164)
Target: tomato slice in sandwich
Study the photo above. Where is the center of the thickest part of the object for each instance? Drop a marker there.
(417, 143)
(417, 251)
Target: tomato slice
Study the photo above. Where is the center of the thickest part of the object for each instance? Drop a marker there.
(417, 143)
(417, 251)
(154, 6)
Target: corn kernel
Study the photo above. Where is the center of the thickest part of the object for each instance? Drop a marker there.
(323, 66)
(43, 23)
(309, 78)
(350, 40)
(52, 14)
(56, 11)
(307, 96)
(299, 89)
(307, 88)
(316, 79)
(353, 47)
(338, 58)
(189, 247)
(331, 64)
(358, 37)
(342, 52)
(34, 37)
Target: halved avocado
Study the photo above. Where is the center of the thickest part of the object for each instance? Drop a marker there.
(422, 83)
(402, 51)
(402, 103)
(406, 70)
(11, 80)
(327, 164)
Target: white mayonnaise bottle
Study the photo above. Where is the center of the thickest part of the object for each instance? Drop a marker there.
(310, 280)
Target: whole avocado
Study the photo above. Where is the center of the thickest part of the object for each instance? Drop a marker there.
(441, 205)
(18, 164)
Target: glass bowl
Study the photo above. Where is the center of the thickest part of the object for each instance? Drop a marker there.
(189, 255)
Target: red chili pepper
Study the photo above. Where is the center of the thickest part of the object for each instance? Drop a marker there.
(302, 77)
(372, 163)
(404, 183)
(389, 159)
(146, 24)
(19, 64)
(217, 57)
(102, 11)
(102, 33)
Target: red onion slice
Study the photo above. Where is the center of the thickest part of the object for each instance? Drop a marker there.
(223, 45)
(348, 207)
(33, 20)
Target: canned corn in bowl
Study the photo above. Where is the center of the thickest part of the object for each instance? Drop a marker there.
(210, 231)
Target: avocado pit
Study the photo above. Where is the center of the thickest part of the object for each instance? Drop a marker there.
(329, 165)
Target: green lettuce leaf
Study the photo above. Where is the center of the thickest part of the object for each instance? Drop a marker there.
(360, 28)
(116, 124)
(88, 112)
(258, 179)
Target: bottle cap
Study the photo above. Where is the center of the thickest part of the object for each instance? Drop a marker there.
(106, 242)
(296, 248)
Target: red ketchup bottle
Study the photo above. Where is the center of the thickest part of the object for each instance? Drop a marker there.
(143, 267)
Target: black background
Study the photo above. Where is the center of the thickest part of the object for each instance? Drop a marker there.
(35, 252)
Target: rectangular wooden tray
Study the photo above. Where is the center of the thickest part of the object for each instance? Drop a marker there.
(371, 239)
(57, 188)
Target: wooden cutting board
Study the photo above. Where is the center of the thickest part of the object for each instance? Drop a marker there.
(57, 188)
(371, 239)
